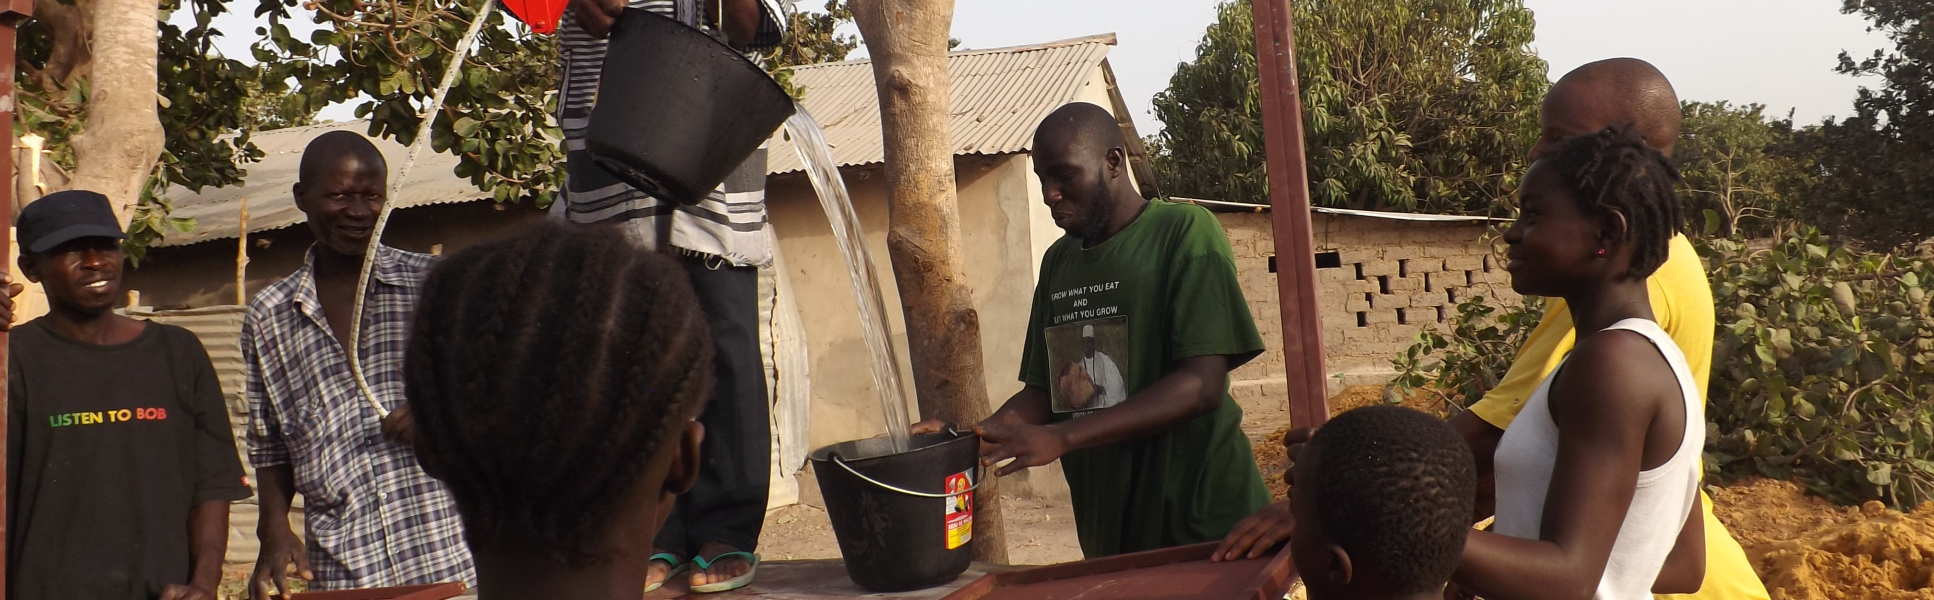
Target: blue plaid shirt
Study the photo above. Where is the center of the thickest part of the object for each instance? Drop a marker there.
(374, 517)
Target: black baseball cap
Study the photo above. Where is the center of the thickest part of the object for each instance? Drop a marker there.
(65, 216)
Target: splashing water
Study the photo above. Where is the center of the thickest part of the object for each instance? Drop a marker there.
(810, 141)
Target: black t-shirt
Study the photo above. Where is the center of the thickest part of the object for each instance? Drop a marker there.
(109, 447)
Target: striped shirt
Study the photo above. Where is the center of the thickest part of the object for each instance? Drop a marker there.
(730, 223)
(374, 517)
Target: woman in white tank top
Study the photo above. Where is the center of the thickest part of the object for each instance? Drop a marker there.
(1599, 473)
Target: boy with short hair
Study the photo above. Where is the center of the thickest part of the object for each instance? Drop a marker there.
(1382, 496)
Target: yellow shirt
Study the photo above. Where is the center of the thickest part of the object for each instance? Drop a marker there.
(1682, 304)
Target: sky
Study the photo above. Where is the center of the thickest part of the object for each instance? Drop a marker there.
(1780, 53)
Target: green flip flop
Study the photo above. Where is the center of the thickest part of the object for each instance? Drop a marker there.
(678, 567)
(729, 584)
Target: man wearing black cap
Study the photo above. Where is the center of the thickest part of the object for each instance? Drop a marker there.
(118, 443)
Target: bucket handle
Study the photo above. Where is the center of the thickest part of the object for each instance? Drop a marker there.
(842, 464)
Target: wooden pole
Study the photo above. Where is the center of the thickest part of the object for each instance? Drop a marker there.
(241, 255)
(27, 182)
(908, 42)
(1282, 116)
(12, 12)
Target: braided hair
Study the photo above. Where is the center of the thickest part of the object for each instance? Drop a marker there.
(543, 371)
(1614, 170)
(1394, 487)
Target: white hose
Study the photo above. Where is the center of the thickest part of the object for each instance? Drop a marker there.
(484, 9)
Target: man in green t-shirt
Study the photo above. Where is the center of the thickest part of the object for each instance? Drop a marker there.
(1149, 285)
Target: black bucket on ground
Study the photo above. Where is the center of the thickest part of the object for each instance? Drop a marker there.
(677, 110)
(904, 521)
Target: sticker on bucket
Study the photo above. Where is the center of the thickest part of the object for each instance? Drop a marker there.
(960, 510)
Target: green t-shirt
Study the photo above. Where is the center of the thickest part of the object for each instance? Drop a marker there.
(1115, 318)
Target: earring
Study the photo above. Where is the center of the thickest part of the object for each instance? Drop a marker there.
(1600, 252)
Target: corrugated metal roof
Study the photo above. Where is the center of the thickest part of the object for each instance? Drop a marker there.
(999, 95)
(271, 203)
(220, 330)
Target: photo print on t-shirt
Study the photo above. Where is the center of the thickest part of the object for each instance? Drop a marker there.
(1085, 360)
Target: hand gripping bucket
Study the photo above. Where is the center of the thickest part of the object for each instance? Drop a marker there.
(677, 111)
(904, 521)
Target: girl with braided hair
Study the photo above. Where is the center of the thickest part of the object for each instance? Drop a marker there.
(1599, 473)
(555, 379)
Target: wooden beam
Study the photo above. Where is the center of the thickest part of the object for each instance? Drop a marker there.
(12, 12)
(1282, 113)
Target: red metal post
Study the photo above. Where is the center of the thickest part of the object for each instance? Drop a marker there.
(1282, 117)
(12, 12)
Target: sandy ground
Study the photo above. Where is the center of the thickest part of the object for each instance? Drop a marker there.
(1805, 548)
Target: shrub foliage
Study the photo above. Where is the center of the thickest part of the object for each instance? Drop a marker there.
(1821, 365)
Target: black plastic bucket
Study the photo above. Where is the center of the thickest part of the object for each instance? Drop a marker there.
(904, 521)
(677, 111)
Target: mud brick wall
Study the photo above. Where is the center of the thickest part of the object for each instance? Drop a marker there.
(1392, 279)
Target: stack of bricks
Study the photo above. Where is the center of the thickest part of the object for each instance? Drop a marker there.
(1393, 279)
(1251, 239)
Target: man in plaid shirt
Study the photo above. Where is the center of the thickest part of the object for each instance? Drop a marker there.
(374, 518)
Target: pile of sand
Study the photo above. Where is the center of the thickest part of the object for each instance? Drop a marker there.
(1886, 555)
(1273, 460)
(1759, 512)
(1806, 548)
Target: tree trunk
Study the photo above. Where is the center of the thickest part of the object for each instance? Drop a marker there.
(908, 43)
(70, 55)
(122, 138)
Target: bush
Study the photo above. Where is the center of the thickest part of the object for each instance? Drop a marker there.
(1821, 369)
(1458, 366)
(1821, 364)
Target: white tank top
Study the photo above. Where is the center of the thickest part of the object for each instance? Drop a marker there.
(1664, 497)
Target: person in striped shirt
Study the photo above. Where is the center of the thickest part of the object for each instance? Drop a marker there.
(720, 241)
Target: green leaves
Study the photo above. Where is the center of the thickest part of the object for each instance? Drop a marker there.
(1738, 165)
(387, 58)
(1459, 365)
(1881, 475)
(812, 37)
(1840, 362)
(1867, 174)
(1843, 297)
(1822, 378)
(1445, 133)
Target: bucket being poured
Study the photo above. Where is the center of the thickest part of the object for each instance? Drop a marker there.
(904, 521)
(677, 111)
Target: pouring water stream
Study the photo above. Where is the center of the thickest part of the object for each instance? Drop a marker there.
(810, 141)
